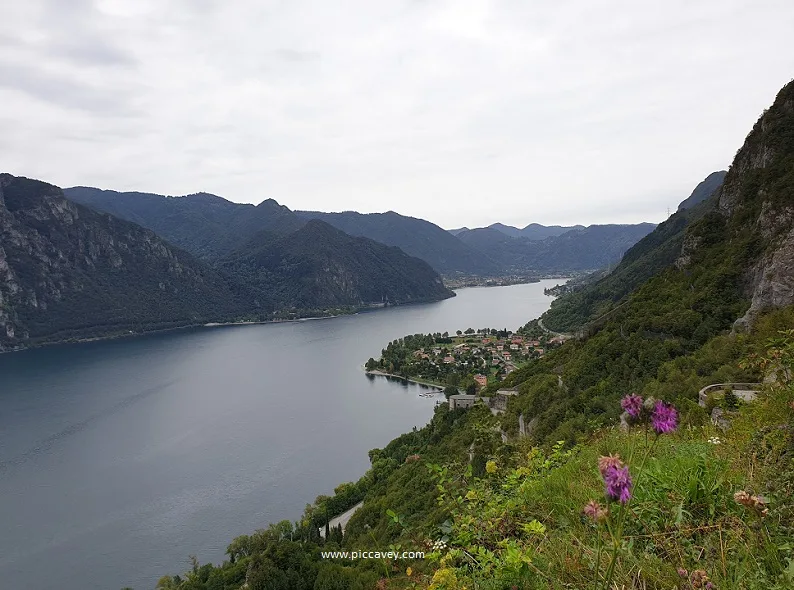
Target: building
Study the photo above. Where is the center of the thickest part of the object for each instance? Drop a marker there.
(449, 359)
(514, 347)
(481, 380)
(461, 400)
(500, 398)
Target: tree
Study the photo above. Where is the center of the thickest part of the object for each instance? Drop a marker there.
(458, 332)
(371, 364)
(469, 330)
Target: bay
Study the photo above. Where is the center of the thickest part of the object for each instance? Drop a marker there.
(120, 458)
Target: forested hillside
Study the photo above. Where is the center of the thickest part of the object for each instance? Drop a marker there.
(205, 225)
(417, 237)
(669, 500)
(68, 272)
(319, 265)
(655, 252)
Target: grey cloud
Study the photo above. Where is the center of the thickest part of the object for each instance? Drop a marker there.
(296, 55)
(64, 92)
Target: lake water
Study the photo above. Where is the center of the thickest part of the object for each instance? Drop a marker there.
(118, 459)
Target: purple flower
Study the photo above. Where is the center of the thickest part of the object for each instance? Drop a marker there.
(595, 511)
(632, 404)
(605, 463)
(618, 483)
(664, 417)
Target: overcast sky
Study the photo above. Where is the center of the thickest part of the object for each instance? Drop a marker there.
(460, 112)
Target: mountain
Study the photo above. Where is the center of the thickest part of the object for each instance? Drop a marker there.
(704, 190)
(507, 230)
(68, 272)
(589, 248)
(455, 232)
(319, 265)
(417, 237)
(653, 253)
(534, 231)
(206, 225)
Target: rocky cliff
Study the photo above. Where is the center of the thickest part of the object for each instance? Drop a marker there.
(757, 202)
(69, 272)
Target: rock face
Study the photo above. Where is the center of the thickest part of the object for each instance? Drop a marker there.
(758, 196)
(69, 272)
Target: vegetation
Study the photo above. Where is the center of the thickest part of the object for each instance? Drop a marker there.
(320, 265)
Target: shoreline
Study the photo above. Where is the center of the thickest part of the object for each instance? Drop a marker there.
(379, 373)
(132, 334)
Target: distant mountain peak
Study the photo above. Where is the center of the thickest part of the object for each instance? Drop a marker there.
(704, 189)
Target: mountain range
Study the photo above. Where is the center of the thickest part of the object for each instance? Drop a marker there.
(210, 227)
(533, 231)
(575, 250)
(69, 272)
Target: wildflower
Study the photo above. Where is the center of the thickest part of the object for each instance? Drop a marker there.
(757, 503)
(664, 418)
(491, 467)
(408, 572)
(439, 545)
(715, 440)
(618, 483)
(699, 579)
(595, 511)
(683, 573)
(632, 404)
(605, 463)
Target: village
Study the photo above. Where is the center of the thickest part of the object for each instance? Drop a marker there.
(463, 364)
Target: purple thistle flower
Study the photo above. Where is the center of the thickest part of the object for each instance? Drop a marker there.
(632, 404)
(618, 483)
(664, 418)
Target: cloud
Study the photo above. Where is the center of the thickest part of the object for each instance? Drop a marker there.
(462, 112)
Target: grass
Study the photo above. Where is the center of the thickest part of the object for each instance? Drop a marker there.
(682, 516)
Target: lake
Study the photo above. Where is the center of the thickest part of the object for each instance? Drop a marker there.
(120, 458)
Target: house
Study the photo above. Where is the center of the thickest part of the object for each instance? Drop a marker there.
(557, 340)
(448, 360)
(534, 342)
(518, 340)
(507, 356)
(418, 353)
(461, 400)
(514, 347)
(481, 380)
(486, 340)
(436, 351)
(500, 347)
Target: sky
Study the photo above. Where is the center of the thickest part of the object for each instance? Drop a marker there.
(461, 112)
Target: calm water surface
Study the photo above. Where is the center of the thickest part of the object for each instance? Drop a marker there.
(120, 458)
